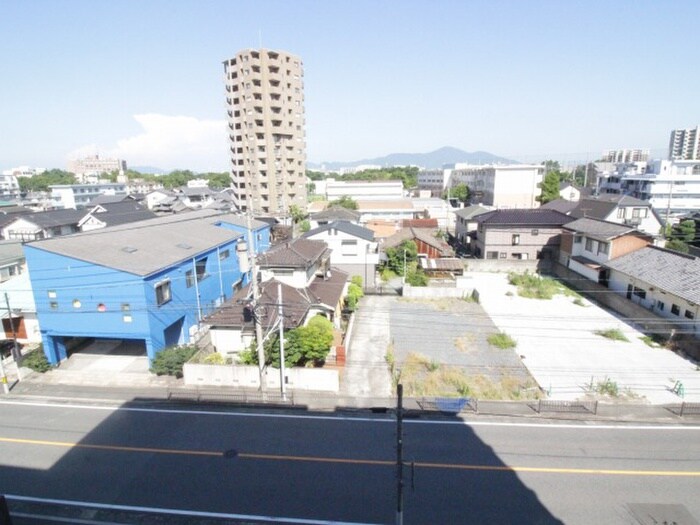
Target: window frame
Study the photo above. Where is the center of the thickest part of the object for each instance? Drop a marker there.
(163, 292)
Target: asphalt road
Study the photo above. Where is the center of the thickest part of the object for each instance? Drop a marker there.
(300, 467)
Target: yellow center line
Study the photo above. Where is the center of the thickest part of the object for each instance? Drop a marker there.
(350, 461)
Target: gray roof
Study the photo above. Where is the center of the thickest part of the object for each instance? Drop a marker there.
(667, 270)
(108, 199)
(299, 253)
(148, 246)
(55, 218)
(343, 226)
(598, 229)
(471, 211)
(425, 235)
(602, 206)
(524, 217)
(11, 251)
(336, 213)
(120, 212)
(560, 205)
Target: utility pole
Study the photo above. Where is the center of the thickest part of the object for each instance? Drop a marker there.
(668, 208)
(16, 354)
(255, 309)
(399, 454)
(280, 314)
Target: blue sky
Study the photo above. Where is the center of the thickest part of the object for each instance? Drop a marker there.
(524, 80)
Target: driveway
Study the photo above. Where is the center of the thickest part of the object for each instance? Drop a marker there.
(557, 343)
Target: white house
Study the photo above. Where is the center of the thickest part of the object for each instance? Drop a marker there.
(353, 248)
(621, 209)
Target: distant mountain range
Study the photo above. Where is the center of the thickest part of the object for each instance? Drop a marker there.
(148, 169)
(433, 159)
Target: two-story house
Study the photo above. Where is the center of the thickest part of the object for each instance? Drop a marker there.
(465, 223)
(621, 209)
(519, 234)
(587, 244)
(43, 225)
(332, 214)
(309, 286)
(353, 248)
(148, 284)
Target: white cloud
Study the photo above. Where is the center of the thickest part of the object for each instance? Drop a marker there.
(170, 142)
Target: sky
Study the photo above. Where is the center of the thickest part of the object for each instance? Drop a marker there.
(142, 80)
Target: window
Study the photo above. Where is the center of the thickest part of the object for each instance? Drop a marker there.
(577, 239)
(660, 306)
(52, 294)
(502, 255)
(689, 314)
(53, 305)
(589, 245)
(620, 213)
(224, 254)
(127, 318)
(675, 309)
(642, 294)
(126, 307)
(516, 239)
(348, 247)
(163, 292)
(201, 267)
(76, 303)
(189, 278)
(603, 247)
(492, 255)
(535, 232)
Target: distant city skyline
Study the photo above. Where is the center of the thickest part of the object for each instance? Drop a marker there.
(142, 81)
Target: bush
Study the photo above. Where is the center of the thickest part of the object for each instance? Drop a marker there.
(169, 361)
(215, 359)
(502, 340)
(36, 360)
(355, 293)
(533, 286)
(417, 278)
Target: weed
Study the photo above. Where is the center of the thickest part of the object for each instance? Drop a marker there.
(36, 360)
(432, 366)
(502, 340)
(607, 387)
(612, 333)
(579, 302)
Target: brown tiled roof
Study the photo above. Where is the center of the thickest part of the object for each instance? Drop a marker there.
(329, 291)
(299, 253)
(426, 235)
(419, 223)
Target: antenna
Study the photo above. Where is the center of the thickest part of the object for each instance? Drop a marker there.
(260, 38)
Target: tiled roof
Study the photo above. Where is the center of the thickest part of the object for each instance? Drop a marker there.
(602, 206)
(55, 218)
(560, 205)
(419, 223)
(524, 217)
(121, 212)
(422, 234)
(326, 292)
(598, 229)
(471, 211)
(299, 253)
(343, 226)
(335, 213)
(666, 270)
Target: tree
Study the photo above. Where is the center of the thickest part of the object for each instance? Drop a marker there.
(345, 202)
(218, 180)
(406, 251)
(298, 215)
(42, 181)
(459, 192)
(355, 293)
(550, 187)
(677, 245)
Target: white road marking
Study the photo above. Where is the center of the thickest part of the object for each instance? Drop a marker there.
(587, 426)
(180, 512)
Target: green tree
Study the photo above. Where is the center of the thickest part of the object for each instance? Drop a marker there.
(177, 178)
(550, 187)
(677, 245)
(218, 180)
(406, 251)
(42, 181)
(685, 231)
(297, 213)
(459, 192)
(345, 202)
(315, 175)
(355, 293)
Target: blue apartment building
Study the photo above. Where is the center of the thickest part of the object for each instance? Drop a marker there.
(149, 283)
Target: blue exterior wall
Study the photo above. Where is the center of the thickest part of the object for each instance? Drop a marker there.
(79, 288)
(260, 239)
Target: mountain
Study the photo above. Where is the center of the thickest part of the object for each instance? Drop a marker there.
(433, 159)
(148, 169)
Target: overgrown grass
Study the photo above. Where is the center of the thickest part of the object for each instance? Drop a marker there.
(502, 340)
(421, 377)
(579, 302)
(612, 333)
(654, 341)
(607, 387)
(533, 286)
(36, 360)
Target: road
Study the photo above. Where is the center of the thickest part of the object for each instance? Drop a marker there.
(300, 467)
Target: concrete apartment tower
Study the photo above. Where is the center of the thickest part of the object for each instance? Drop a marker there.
(265, 103)
(684, 144)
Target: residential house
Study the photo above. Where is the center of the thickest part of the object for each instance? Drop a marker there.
(114, 213)
(196, 197)
(621, 209)
(430, 243)
(665, 281)
(569, 192)
(309, 286)
(519, 234)
(587, 244)
(147, 285)
(18, 312)
(334, 213)
(159, 196)
(561, 205)
(44, 225)
(12, 260)
(465, 223)
(353, 248)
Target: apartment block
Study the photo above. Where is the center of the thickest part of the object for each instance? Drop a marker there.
(91, 167)
(501, 185)
(684, 144)
(265, 105)
(625, 155)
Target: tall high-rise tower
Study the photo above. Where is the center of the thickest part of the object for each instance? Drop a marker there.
(265, 103)
(685, 144)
